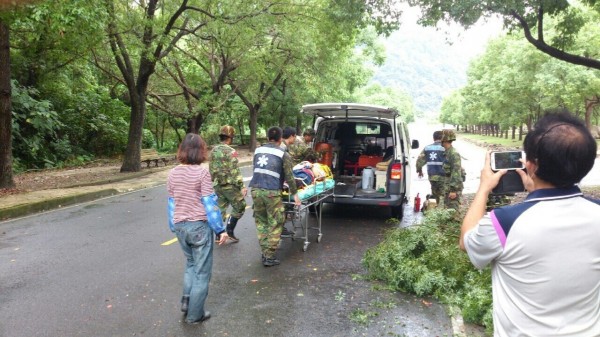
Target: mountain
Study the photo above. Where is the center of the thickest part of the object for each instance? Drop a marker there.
(428, 63)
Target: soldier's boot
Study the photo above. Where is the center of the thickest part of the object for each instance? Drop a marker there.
(270, 261)
(231, 223)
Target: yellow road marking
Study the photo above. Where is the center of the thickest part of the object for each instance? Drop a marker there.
(172, 241)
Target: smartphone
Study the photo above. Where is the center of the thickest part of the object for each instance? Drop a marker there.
(507, 160)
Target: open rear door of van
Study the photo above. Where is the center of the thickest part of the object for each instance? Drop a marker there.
(349, 110)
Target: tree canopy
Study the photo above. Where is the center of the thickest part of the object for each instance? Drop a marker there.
(115, 76)
(530, 16)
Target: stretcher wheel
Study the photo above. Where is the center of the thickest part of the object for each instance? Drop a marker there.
(305, 247)
(319, 237)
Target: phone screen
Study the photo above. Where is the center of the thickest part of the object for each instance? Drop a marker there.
(507, 160)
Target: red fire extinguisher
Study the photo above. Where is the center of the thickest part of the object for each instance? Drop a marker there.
(417, 203)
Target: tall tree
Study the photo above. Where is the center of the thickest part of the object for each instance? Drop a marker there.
(6, 176)
(529, 15)
(142, 34)
(157, 37)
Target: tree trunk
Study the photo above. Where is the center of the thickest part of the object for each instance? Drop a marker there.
(514, 131)
(131, 162)
(253, 126)
(240, 123)
(521, 131)
(281, 119)
(6, 176)
(590, 104)
(194, 124)
(299, 130)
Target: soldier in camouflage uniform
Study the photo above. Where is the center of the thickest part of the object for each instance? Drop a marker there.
(433, 156)
(308, 136)
(453, 185)
(227, 180)
(297, 149)
(288, 137)
(300, 152)
(272, 166)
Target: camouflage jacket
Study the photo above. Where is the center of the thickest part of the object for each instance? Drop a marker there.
(453, 170)
(224, 168)
(288, 173)
(300, 152)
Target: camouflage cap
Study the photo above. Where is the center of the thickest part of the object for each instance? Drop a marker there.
(227, 130)
(448, 135)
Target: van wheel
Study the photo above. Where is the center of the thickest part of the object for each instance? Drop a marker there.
(397, 211)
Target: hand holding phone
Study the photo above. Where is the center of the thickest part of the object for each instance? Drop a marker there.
(511, 182)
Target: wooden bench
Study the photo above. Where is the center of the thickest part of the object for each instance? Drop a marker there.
(151, 155)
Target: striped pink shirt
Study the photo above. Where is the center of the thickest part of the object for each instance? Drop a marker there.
(187, 184)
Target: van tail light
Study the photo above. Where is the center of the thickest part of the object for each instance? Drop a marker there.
(396, 171)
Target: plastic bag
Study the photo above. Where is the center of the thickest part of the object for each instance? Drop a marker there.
(213, 213)
(171, 213)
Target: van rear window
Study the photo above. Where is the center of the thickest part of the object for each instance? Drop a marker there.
(368, 129)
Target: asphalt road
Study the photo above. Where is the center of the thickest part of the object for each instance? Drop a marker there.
(112, 268)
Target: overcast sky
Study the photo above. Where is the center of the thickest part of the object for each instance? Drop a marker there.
(468, 42)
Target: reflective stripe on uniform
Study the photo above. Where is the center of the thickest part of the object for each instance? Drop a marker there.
(269, 172)
(269, 150)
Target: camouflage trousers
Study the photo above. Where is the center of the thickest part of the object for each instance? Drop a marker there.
(230, 195)
(269, 217)
(453, 203)
(437, 189)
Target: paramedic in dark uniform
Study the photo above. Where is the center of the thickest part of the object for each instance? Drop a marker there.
(272, 166)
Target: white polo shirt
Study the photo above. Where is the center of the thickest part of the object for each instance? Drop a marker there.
(545, 258)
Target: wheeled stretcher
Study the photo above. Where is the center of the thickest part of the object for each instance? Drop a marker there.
(312, 197)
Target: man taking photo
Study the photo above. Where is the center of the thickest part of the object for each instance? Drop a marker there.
(545, 251)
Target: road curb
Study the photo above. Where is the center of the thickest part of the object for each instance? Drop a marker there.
(120, 179)
(58, 202)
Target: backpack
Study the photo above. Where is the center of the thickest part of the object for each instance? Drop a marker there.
(303, 177)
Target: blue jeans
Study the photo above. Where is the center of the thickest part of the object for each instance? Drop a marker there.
(196, 240)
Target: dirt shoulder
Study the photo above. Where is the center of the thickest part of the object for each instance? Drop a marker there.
(107, 170)
(94, 173)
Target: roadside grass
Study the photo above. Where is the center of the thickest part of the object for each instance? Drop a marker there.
(487, 141)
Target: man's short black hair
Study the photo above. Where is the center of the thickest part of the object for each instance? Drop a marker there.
(562, 147)
(437, 135)
(309, 132)
(274, 134)
(288, 132)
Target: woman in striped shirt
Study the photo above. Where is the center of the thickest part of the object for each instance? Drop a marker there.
(187, 184)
